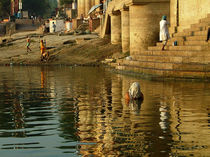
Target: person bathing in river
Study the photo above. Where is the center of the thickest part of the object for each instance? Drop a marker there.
(28, 44)
(134, 93)
(164, 33)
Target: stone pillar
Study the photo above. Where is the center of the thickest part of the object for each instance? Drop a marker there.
(174, 16)
(144, 25)
(81, 8)
(115, 28)
(125, 30)
(87, 7)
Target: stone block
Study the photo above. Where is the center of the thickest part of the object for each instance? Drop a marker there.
(187, 48)
(193, 75)
(183, 34)
(188, 67)
(196, 38)
(196, 59)
(205, 20)
(164, 66)
(200, 24)
(200, 33)
(196, 43)
(193, 29)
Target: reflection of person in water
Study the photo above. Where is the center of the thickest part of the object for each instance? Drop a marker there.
(43, 77)
(135, 105)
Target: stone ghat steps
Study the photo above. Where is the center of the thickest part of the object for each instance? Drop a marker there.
(203, 25)
(207, 19)
(186, 43)
(187, 67)
(173, 59)
(180, 48)
(189, 59)
(174, 53)
(165, 73)
(191, 33)
(197, 38)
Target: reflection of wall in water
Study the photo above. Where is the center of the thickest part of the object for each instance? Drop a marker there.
(188, 117)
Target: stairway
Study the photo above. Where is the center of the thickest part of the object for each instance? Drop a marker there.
(189, 59)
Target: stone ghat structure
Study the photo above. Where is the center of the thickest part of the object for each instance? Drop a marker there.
(189, 59)
(135, 25)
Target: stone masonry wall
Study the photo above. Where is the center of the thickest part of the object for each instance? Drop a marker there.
(187, 12)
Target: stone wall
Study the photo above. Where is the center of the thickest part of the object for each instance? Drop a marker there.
(187, 12)
(7, 28)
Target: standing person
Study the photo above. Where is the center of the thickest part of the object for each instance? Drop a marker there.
(28, 44)
(164, 34)
(54, 27)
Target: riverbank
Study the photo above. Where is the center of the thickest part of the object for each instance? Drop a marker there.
(64, 49)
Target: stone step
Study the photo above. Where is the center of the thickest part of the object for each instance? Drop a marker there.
(203, 24)
(156, 73)
(179, 43)
(178, 48)
(163, 58)
(193, 29)
(200, 33)
(194, 43)
(168, 66)
(205, 20)
(197, 38)
(173, 59)
(183, 34)
(174, 53)
(177, 39)
(191, 33)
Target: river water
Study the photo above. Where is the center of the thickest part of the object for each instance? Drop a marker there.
(81, 111)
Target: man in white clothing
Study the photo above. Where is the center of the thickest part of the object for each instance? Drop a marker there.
(164, 34)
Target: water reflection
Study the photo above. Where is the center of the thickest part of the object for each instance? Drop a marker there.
(82, 112)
